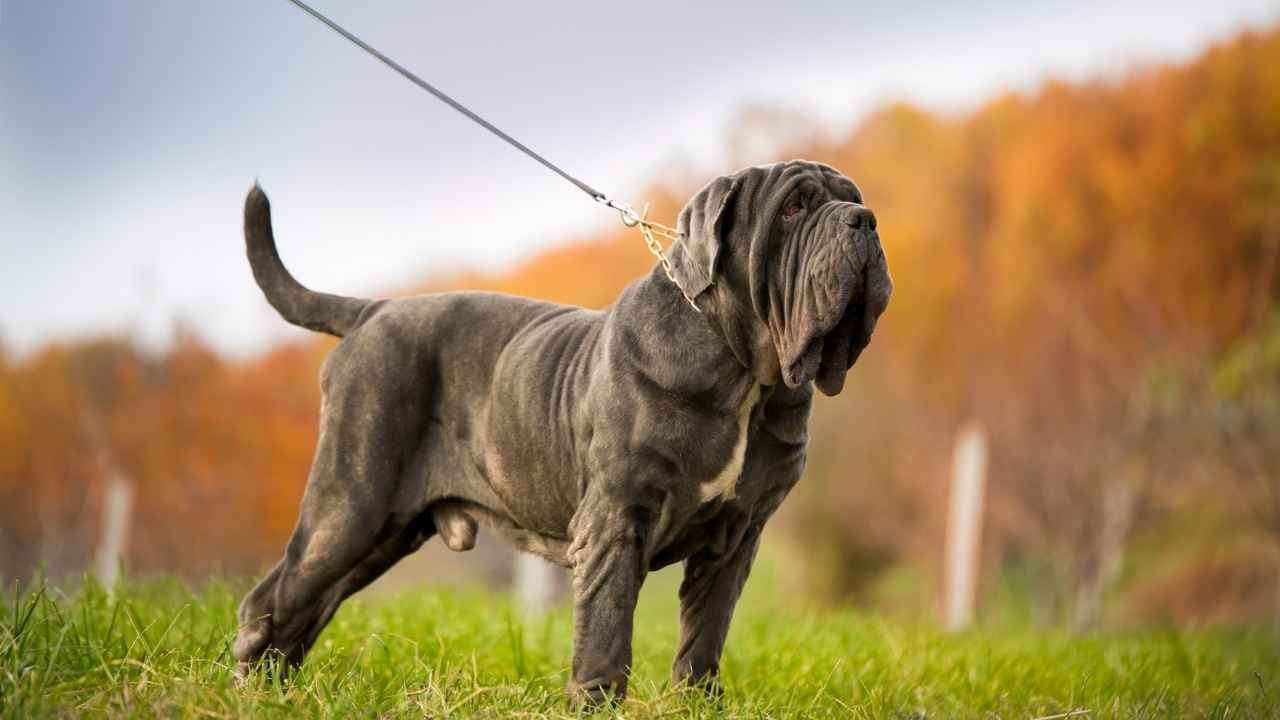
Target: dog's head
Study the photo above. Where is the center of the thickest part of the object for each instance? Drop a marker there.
(787, 260)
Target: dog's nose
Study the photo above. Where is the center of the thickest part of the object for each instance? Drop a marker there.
(861, 216)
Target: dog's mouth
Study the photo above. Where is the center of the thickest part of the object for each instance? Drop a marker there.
(830, 353)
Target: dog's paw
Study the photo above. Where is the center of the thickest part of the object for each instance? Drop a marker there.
(595, 695)
(706, 682)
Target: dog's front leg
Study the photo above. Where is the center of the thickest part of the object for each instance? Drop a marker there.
(710, 589)
(608, 568)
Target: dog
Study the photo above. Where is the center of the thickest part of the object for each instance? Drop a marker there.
(609, 442)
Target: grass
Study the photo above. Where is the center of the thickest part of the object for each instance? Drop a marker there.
(160, 649)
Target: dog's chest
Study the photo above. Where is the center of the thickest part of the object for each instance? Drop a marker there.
(724, 484)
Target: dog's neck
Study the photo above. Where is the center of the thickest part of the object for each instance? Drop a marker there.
(704, 344)
(725, 306)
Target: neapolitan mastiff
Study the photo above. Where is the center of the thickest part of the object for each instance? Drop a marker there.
(611, 442)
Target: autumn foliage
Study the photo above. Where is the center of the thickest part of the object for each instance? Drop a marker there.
(1089, 271)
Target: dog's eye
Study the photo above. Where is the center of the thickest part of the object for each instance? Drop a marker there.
(792, 210)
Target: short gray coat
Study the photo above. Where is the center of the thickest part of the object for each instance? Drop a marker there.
(611, 442)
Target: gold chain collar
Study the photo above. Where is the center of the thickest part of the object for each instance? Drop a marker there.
(651, 232)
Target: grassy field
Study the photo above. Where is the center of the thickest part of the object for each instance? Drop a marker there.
(158, 649)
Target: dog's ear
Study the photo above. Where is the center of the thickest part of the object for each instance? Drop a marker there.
(702, 228)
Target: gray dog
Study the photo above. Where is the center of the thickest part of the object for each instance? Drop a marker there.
(612, 442)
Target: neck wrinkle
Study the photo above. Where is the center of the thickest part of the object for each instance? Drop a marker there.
(659, 303)
(731, 322)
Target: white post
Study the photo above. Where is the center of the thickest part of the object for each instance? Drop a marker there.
(535, 583)
(964, 526)
(115, 527)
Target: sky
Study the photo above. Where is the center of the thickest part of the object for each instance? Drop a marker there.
(130, 130)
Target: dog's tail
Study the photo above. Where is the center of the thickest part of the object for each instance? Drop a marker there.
(332, 314)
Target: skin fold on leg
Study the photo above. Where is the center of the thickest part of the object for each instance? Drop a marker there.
(608, 569)
(349, 529)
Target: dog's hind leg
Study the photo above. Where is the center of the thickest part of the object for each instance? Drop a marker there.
(286, 610)
(387, 554)
(353, 523)
(258, 632)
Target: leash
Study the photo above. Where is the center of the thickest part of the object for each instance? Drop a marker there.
(649, 229)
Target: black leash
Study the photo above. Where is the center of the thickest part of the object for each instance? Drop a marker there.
(648, 228)
(443, 97)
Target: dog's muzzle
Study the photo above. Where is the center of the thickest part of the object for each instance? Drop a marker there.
(851, 287)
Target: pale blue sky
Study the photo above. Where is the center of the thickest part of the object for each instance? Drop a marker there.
(130, 130)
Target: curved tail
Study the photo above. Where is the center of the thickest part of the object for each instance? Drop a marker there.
(332, 314)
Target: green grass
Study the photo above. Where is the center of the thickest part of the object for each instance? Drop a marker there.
(159, 649)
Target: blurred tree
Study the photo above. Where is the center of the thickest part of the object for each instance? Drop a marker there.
(1247, 384)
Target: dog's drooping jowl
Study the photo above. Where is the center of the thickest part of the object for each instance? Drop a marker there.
(610, 442)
